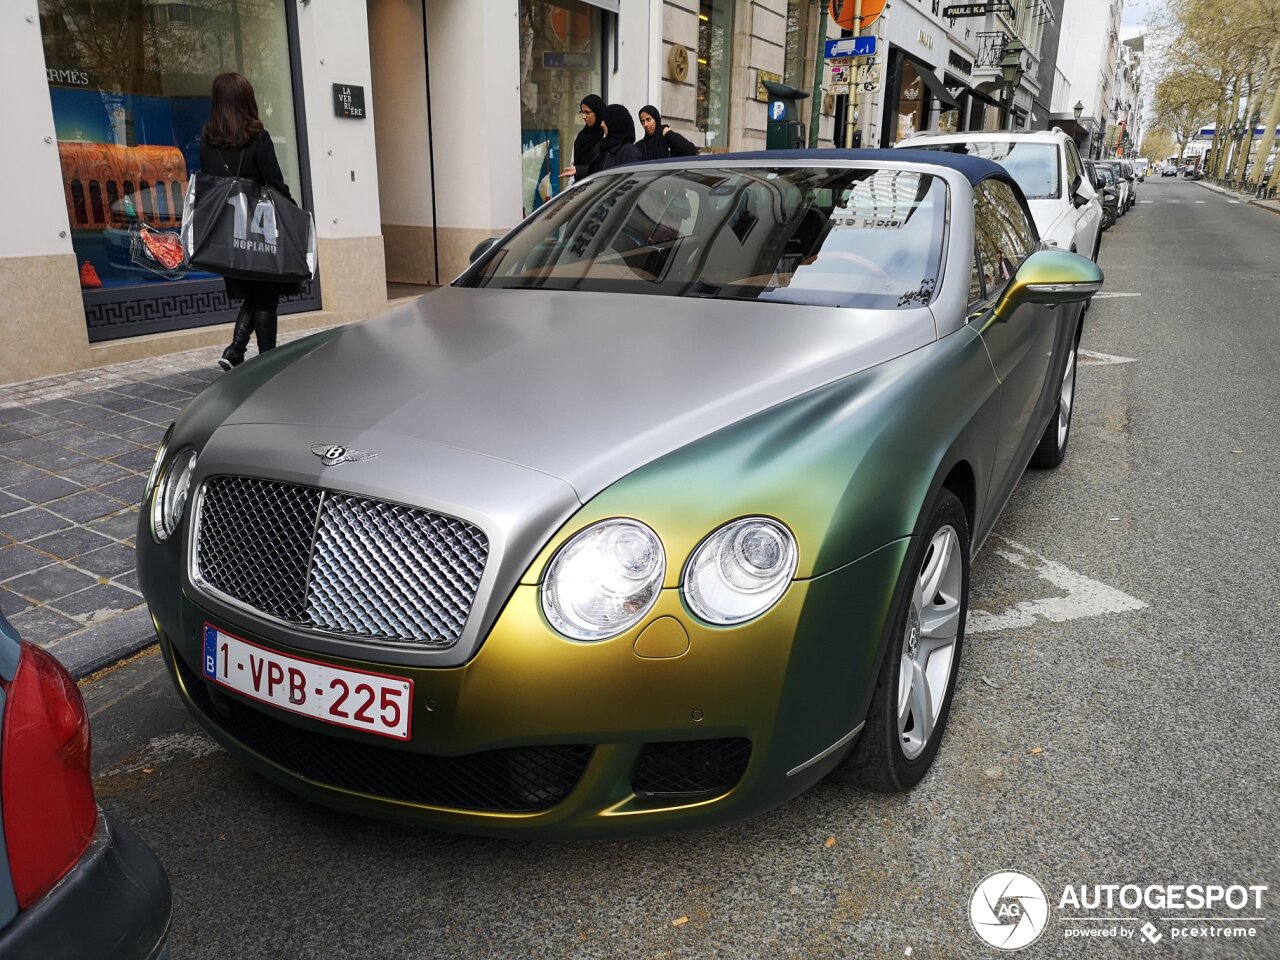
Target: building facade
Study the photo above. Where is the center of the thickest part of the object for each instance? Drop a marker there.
(412, 129)
(1088, 50)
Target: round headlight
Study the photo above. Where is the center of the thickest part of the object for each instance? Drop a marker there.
(155, 466)
(604, 580)
(170, 497)
(740, 571)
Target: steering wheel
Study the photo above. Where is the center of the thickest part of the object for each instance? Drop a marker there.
(867, 266)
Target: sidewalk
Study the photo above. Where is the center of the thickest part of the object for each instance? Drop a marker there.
(1271, 205)
(75, 451)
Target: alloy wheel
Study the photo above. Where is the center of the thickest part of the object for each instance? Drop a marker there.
(929, 641)
(1066, 398)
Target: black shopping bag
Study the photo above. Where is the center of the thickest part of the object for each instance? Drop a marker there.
(239, 228)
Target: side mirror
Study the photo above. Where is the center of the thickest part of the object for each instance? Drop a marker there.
(1050, 277)
(1078, 199)
(481, 248)
(1099, 183)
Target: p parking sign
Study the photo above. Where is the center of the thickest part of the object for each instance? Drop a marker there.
(777, 110)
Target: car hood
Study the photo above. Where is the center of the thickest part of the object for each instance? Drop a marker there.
(584, 387)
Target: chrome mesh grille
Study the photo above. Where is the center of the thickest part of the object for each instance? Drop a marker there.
(361, 568)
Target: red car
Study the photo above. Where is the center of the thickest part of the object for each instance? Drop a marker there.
(73, 884)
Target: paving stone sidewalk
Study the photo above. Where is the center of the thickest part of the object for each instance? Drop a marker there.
(75, 451)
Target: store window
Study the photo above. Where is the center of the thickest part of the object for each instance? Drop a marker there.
(129, 81)
(561, 45)
(913, 104)
(715, 63)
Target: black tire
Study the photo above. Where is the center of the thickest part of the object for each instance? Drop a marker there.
(1052, 448)
(878, 760)
(1108, 220)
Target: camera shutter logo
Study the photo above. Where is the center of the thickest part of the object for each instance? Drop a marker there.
(1008, 910)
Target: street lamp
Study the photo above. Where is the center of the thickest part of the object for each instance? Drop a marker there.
(1077, 110)
(1011, 69)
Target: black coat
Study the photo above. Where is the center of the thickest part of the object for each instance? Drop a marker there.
(659, 145)
(586, 145)
(255, 161)
(618, 146)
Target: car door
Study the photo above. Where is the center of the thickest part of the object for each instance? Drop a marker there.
(1021, 345)
(1088, 217)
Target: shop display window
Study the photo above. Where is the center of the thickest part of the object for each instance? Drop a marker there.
(129, 82)
(912, 104)
(715, 62)
(560, 55)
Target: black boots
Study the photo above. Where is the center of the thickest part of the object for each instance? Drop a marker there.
(265, 324)
(233, 356)
(260, 321)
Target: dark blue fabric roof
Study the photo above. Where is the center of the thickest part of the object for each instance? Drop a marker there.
(976, 169)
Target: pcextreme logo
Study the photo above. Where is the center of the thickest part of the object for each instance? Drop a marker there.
(1009, 910)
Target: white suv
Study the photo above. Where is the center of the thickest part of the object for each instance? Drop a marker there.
(1066, 207)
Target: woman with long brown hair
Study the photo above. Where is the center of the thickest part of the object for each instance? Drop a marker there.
(235, 144)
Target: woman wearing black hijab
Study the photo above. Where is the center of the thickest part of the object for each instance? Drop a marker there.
(618, 146)
(660, 141)
(587, 144)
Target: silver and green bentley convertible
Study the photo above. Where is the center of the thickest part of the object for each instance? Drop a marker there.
(660, 513)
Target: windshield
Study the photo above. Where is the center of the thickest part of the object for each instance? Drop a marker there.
(1033, 165)
(835, 237)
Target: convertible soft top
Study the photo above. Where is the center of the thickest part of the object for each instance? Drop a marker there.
(976, 169)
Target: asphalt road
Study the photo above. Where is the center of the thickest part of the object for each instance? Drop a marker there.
(1116, 722)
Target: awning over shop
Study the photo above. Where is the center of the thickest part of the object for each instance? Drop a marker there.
(935, 86)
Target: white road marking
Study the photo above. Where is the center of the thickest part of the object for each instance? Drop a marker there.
(1199, 201)
(1093, 359)
(1146, 201)
(1084, 597)
(1233, 201)
(1109, 296)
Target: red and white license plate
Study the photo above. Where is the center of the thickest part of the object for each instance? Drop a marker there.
(357, 699)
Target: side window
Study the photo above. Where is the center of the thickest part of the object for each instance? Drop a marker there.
(975, 279)
(1074, 169)
(1005, 238)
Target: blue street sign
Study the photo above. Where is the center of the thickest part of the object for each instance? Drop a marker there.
(849, 47)
(777, 110)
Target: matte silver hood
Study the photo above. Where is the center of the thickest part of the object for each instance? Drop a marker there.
(585, 387)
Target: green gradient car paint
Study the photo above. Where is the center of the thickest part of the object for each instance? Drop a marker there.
(847, 426)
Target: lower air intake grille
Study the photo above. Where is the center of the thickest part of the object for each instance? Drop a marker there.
(512, 780)
(686, 767)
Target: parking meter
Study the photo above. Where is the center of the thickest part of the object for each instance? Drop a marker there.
(784, 131)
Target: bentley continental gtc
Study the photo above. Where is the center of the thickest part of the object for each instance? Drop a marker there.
(660, 513)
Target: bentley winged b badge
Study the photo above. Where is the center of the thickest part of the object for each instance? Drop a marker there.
(331, 454)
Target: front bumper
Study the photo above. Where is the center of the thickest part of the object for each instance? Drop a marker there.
(115, 904)
(540, 735)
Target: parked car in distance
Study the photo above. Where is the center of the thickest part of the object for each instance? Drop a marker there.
(74, 884)
(1104, 183)
(1168, 169)
(1192, 172)
(1047, 166)
(1127, 171)
(1140, 165)
(659, 514)
(1119, 183)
